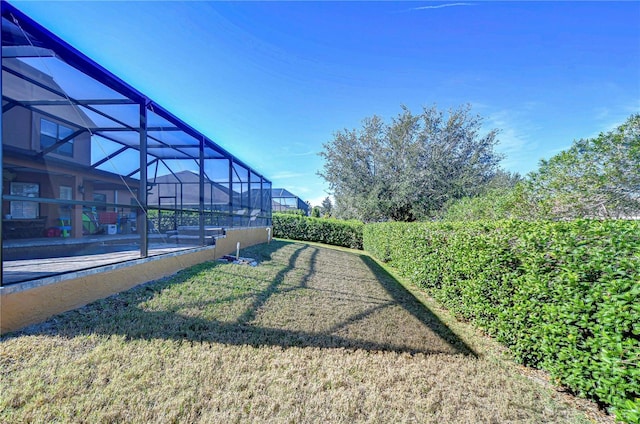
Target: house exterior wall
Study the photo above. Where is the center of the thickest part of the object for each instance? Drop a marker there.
(16, 128)
(21, 129)
(49, 188)
(50, 178)
(81, 143)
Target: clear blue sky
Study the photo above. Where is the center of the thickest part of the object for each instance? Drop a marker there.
(272, 81)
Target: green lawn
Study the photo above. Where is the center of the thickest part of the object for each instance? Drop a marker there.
(312, 334)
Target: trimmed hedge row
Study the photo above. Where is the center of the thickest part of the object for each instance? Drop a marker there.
(328, 231)
(564, 296)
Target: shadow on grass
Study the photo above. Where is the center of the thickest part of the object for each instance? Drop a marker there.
(416, 308)
(336, 315)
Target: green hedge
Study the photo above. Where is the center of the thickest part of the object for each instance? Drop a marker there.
(564, 296)
(322, 230)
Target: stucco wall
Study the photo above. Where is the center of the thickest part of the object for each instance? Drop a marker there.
(35, 301)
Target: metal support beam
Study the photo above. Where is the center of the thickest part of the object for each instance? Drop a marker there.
(61, 142)
(171, 170)
(8, 106)
(109, 157)
(231, 191)
(249, 204)
(201, 188)
(142, 191)
(135, 171)
(130, 128)
(1, 149)
(79, 102)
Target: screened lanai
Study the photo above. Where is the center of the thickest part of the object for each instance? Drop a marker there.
(283, 200)
(95, 172)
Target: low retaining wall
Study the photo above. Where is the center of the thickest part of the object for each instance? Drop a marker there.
(35, 301)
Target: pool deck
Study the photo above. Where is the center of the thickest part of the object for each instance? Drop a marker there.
(29, 269)
(59, 241)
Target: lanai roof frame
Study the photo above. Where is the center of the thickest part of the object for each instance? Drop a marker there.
(40, 40)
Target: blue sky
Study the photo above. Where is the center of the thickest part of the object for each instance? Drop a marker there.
(272, 81)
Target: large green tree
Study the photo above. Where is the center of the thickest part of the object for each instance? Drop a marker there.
(409, 168)
(595, 178)
(326, 207)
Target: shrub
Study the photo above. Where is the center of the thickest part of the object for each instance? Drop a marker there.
(328, 231)
(564, 296)
(298, 212)
(494, 204)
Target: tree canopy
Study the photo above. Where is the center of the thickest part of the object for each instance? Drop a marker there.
(409, 168)
(326, 207)
(595, 178)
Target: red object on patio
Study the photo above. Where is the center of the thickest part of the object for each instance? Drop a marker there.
(53, 232)
(108, 217)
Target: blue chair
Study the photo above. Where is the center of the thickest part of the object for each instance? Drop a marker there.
(65, 226)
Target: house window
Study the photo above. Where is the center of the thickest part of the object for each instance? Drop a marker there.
(66, 193)
(25, 209)
(51, 133)
(100, 198)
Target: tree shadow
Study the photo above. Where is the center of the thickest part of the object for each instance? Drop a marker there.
(304, 305)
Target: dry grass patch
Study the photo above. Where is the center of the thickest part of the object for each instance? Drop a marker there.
(310, 335)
